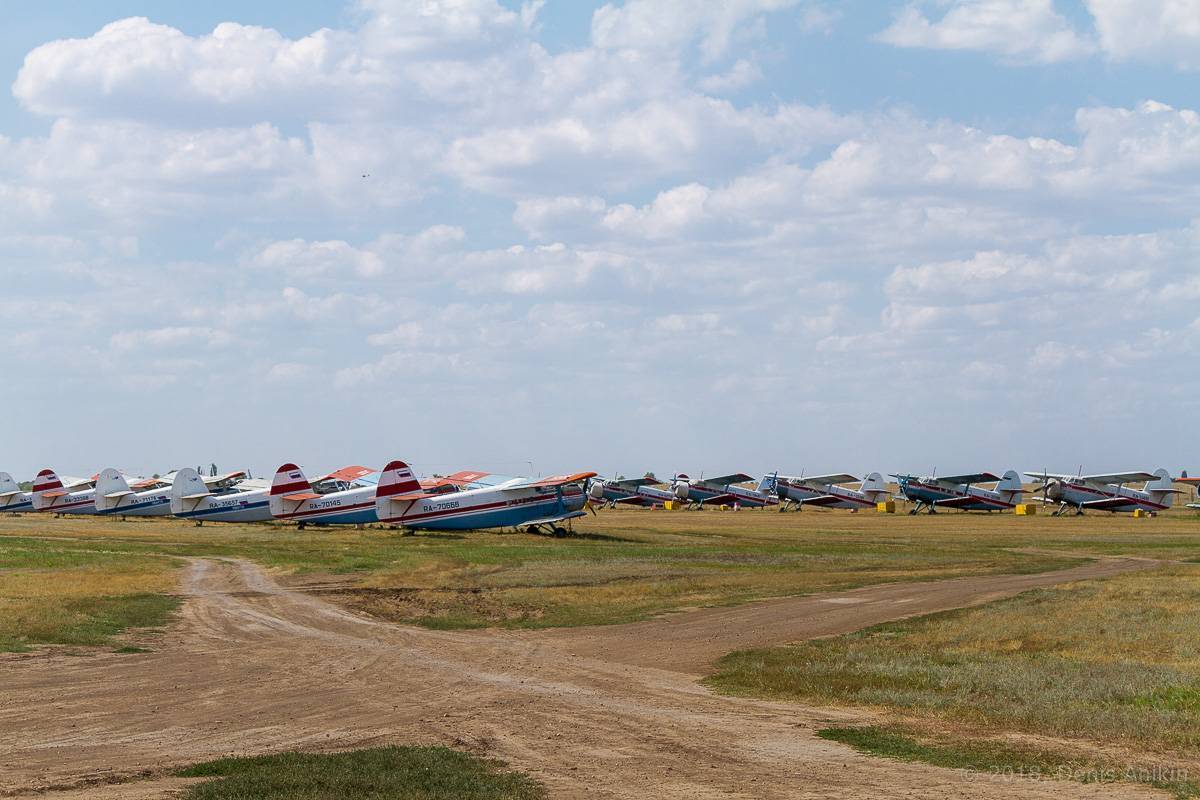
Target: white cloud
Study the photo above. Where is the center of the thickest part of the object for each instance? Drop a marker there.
(673, 24)
(739, 76)
(1023, 31)
(585, 222)
(1149, 30)
(177, 336)
(299, 258)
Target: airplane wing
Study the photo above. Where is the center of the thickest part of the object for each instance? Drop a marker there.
(825, 480)
(1058, 476)
(1116, 477)
(724, 480)
(548, 520)
(212, 480)
(1110, 502)
(966, 502)
(821, 500)
(472, 479)
(722, 498)
(553, 480)
(348, 474)
(301, 496)
(974, 477)
(634, 483)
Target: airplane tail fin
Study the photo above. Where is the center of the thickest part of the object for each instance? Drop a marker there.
(873, 487)
(768, 483)
(1161, 488)
(8, 486)
(397, 479)
(111, 486)
(46, 481)
(1010, 483)
(289, 479)
(186, 489)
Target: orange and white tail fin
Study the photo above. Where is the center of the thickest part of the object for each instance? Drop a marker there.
(45, 481)
(397, 479)
(289, 479)
(46, 486)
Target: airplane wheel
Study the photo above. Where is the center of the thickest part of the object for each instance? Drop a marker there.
(559, 531)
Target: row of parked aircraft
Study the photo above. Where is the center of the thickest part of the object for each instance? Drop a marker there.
(476, 500)
(350, 496)
(970, 492)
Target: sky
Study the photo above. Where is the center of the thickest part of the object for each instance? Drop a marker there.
(536, 237)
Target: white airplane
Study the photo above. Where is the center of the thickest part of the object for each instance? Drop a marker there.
(12, 499)
(192, 497)
(722, 490)
(291, 498)
(1106, 492)
(114, 497)
(77, 496)
(961, 491)
(627, 491)
(828, 491)
(529, 503)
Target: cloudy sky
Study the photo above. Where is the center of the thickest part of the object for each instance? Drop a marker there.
(658, 234)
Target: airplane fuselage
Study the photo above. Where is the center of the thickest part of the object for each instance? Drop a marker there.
(641, 495)
(698, 494)
(70, 503)
(16, 503)
(351, 507)
(933, 492)
(824, 495)
(1076, 494)
(489, 507)
(154, 503)
(233, 506)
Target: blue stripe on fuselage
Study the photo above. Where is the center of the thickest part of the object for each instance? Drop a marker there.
(223, 510)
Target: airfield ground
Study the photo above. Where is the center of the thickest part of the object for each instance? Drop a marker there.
(140, 648)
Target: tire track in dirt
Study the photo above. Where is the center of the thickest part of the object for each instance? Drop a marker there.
(253, 667)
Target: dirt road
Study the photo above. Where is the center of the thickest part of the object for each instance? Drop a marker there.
(610, 712)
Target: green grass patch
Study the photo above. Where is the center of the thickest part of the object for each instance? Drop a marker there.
(1008, 760)
(79, 621)
(384, 773)
(1113, 662)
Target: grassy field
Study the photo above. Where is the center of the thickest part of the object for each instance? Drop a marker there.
(1105, 673)
(78, 580)
(384, 773)
(52, 595)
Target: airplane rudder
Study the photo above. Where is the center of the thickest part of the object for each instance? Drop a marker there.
(289, 478)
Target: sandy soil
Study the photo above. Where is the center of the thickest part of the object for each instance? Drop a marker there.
(608, 712)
